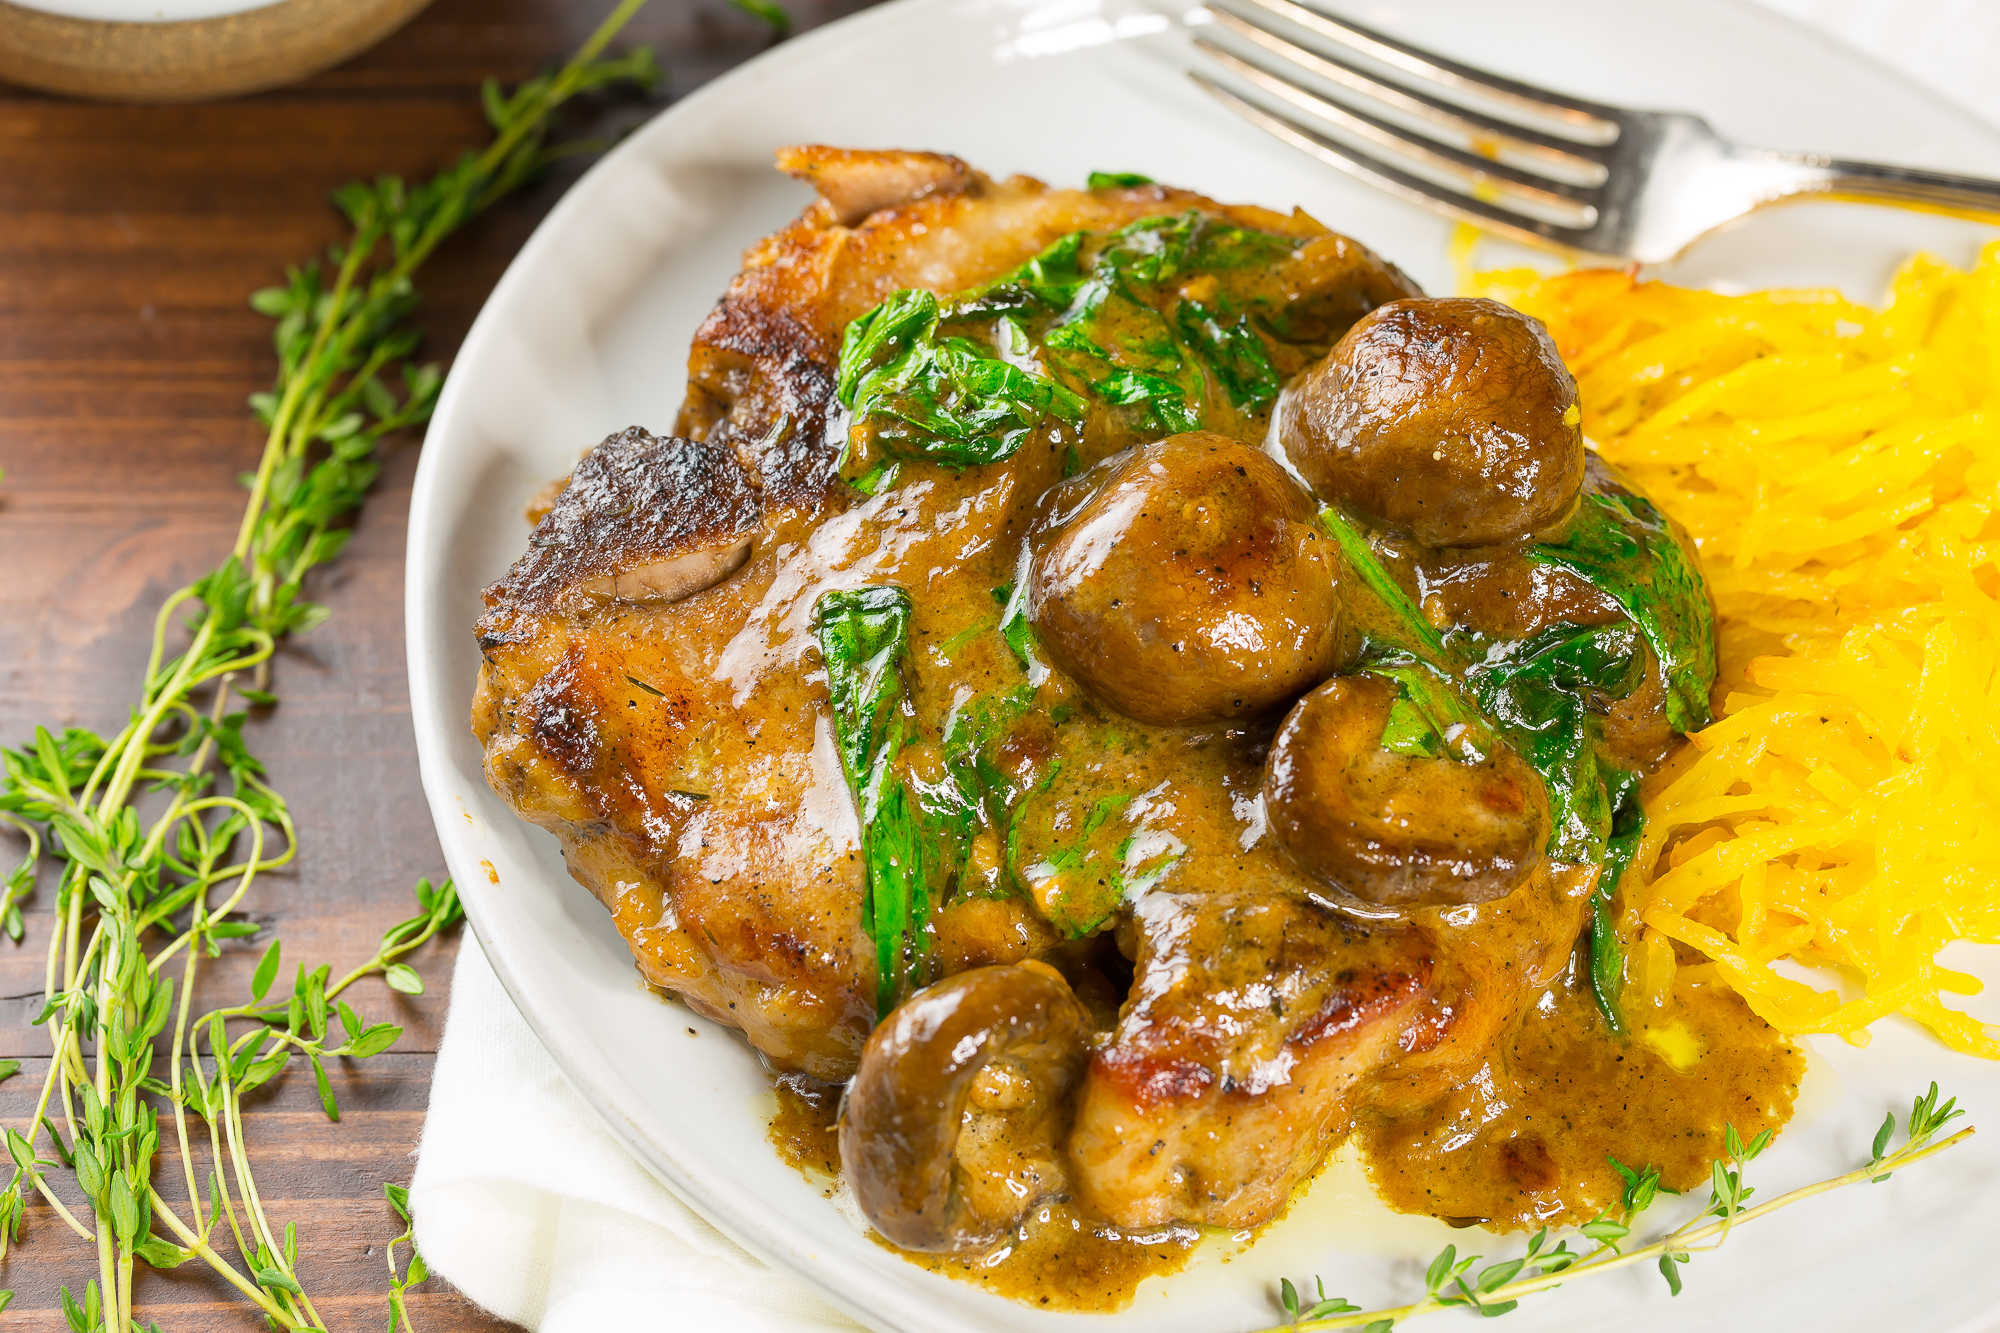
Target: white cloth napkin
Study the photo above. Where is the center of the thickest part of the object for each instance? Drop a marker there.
(574, 1236)
(577, 1235)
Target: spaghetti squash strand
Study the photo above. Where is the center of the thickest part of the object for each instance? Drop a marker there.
(1839, 470)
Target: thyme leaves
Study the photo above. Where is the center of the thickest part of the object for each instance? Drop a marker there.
(138, 899)
(1498, 1288)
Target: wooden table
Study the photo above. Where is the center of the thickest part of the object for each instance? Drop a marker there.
(129, 238)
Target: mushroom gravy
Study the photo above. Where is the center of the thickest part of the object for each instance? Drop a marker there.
(1527, 1142)
(982, 704)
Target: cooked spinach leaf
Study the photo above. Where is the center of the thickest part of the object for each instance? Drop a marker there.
(898, 900)
(1019, 631)
(1117, 180)
(1220, 247)
(1410, 731)
(1072, 864)
(1621, 545)
(1607, 951)
(864, 636)
(1537, 694)
(1050, 279)
(1539, 691)
(1125, 317)
(1431, 708)
(878, 478)
(1114, 339)
(881, 337)
(1411, 630)
(971, 731)
(1121, 317)
(1236, 355)
(1165, 401)
(1153, 249)
(1124, 351)
(864, 639)
(939, 397)
(1145, 857)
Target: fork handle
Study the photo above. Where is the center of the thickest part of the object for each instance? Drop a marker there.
(1876, 183)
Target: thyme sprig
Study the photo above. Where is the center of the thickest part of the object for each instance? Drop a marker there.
(139, 897)
(1498, 1288)
(772, 13)
(411, 1273)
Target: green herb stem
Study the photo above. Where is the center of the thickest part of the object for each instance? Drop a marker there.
(1447, 1290)
(176, 877)
(222, 1267)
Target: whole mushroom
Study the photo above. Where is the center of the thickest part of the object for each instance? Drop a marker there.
(951, 1128)
(1452, 420)
(1191, 586)
(1394, 831)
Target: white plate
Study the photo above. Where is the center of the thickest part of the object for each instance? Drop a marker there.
(588, 333)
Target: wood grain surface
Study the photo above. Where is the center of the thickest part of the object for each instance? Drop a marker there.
(129, 238)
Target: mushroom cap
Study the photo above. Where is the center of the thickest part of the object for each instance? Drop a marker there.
(1397, 831)
(1450, 419)
(1192, 586)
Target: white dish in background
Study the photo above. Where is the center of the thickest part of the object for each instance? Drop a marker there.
(588, 333)
(144, 11)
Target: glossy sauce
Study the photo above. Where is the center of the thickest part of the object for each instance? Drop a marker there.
(711, 712)
(802, 1130)
(1060, 1257)
(1526, 1141)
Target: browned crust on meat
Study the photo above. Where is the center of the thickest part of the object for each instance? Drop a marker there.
(635, 499)
(683, 794)
(761, 385)
(855, 182)
(1227, 1076)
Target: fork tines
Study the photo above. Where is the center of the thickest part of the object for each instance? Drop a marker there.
(1505, 155)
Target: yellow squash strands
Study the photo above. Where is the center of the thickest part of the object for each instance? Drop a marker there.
(1840, 470)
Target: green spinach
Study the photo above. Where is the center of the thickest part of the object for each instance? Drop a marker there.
(956, 380)
(916, 835)
(864, 641)
(1622, 546)
(1065, 853)
(864, 637)
(1235, 354)
(1539, 691)
(1537, 695)
(943, 398)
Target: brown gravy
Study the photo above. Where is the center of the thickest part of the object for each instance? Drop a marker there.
(1063, 1258)
(1526, 1142)
(803, 1130)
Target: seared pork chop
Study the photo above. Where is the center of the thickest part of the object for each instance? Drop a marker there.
(779, 685)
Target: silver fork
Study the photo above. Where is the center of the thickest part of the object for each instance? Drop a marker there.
(1541, 167)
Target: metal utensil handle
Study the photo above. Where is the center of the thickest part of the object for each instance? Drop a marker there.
(1906, 185)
